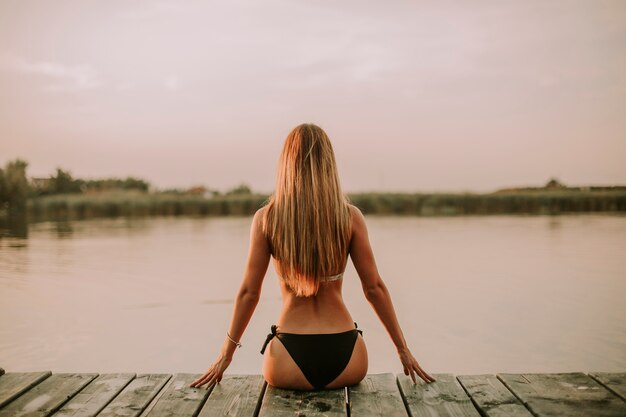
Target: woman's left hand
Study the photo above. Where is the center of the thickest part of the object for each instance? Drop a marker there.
(214, 373)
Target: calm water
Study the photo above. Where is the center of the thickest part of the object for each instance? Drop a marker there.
(473, 294)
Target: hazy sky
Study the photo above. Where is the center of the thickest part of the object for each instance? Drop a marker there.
(415, 95)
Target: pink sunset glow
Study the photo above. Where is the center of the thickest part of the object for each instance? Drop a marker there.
(416, 96)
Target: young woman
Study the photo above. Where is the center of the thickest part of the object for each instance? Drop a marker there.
(309, 229)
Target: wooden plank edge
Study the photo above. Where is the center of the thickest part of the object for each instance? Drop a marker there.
(348, 400)
(206, 397)
(163, 390)
(132, 378)
(72, 395)
(605, 386)
(454, 380)
(259, 401)
(42, 377)
(138, 410)
(158, 395)
(524, 403)
(407, 408)
(476, 405)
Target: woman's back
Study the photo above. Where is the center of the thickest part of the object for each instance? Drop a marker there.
(309, 229)
(325, 312)
(325, 320)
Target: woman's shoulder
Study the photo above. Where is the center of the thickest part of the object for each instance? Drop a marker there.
(258, 224)
(355, 213)
(260, 211)
(357, 219)
(259, 216)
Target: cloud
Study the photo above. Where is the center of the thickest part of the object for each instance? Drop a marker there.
(79, 77)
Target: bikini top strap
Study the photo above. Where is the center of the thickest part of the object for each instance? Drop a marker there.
(269, 337)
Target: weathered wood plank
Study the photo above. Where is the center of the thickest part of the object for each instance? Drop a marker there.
(279, 402)
(613, 381)
(376, 395)
(48, 396)
(235, 395)
(13, 384)
(564, 394)
(95, 396)
(491, 396)
(444, 397)
(179, 399)
(157, 398)
(136, 396)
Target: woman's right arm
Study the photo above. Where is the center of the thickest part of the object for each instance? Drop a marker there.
(245, 302)
(377, 294)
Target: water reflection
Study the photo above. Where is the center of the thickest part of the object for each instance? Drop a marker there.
(554, 222)
(63, 228)
(15, 225)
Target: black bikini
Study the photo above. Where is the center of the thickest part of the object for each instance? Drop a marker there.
(321, 357)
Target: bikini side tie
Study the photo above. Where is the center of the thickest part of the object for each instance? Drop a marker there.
(357, 328)
(269, 337)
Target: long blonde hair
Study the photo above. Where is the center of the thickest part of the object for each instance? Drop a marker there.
(307, 218)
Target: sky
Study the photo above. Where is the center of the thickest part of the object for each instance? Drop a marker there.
(414, 95)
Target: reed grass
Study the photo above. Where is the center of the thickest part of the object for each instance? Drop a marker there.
(135, 203)
(531, 202)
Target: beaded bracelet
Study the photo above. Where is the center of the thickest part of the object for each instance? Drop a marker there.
(233, 340)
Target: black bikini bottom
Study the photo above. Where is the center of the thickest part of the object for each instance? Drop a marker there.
(321, 357)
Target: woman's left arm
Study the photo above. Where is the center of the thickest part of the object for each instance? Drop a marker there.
(245, 302)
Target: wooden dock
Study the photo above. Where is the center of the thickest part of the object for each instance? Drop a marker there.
(40, 394)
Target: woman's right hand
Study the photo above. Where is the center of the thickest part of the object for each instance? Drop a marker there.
(411, 367)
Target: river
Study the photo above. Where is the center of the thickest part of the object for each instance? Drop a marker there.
(474, 294)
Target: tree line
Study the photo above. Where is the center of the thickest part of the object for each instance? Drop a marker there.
(16, 187)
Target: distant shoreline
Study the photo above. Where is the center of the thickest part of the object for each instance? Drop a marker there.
(61, 196)
(135, 203)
